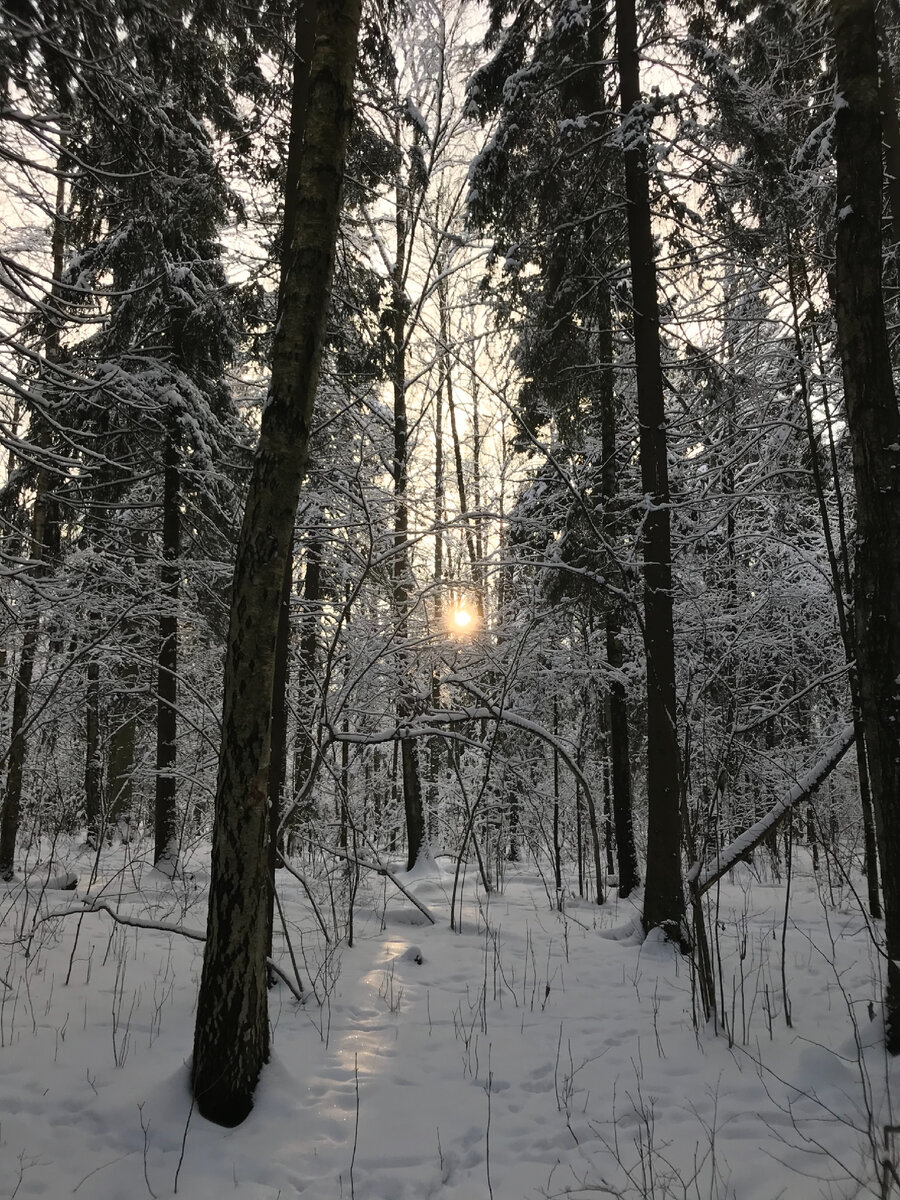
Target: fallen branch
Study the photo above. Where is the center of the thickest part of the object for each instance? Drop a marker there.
(136, 922)
(381, 869)
(161, 927)
(701, 878)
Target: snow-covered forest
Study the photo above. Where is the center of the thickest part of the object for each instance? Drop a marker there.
(450, 599)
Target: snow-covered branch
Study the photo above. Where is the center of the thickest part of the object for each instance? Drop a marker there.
(704, 877)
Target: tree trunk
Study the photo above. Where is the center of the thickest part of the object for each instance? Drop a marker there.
(40, 523)
(165, 813)
(412, 783)
(304, 39)
(887, 96)
(122, 746)
(620, 763)
(434, 744)
(92, 798)
(15, 771)
(123, 712)
(848, 635)
(468, 531)
(279, 738)
(873, 420)
(306, 688)
(664, 891)
(619, 748)
(231, 1040)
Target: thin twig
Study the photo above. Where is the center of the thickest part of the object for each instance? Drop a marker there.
(381, 869)
(356, 1127)
(305, 885)
(164, 927)
(287, 938)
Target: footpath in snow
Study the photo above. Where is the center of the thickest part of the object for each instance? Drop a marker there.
(533, 1054)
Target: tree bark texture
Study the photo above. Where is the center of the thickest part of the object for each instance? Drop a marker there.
(304, 745)
(304, 41)
(663, 892)
(121, 756)
(231, 1041)
(15, 771)
(165, 814)
(402, 576)
(619, 742)
(93, 804)
(844, 612)
(873, 420)
(41, 522)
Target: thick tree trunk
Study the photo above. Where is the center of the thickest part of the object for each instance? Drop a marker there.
(304, 39)
(873, 420)
(890, 130)
(231, 1041)
(663, 891)
(165, 813)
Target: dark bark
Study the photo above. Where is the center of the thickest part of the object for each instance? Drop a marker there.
(306, 687)
(620, 764)
(15, 770)
(304, 39)
(279, 739)
(663, 891)
(873, 421)
(402, 576)
(120, 762)
(231, 1041)
(619, 747)
(122, 715)
(93, 805)
(42, 522)
(165, 813)
(890, 130)
(848, 635)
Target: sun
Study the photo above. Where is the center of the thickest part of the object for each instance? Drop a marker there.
(462, 618)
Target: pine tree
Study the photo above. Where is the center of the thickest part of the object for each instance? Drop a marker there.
(535, 187)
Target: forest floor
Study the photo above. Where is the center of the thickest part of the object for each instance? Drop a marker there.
(535, 1053)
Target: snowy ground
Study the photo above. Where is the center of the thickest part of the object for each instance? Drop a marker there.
(534, 1054)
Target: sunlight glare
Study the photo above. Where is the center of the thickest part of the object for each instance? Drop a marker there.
(462, 618)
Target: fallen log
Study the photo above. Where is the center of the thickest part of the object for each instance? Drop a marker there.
(700, 878)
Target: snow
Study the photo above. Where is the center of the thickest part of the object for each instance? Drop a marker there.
(536, 1053)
